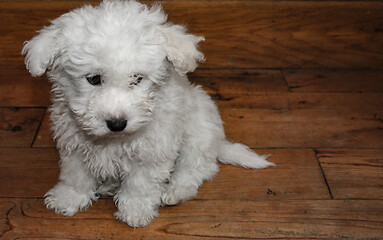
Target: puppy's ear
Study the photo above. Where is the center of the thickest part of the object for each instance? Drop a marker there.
(41, 50)
(181, 48)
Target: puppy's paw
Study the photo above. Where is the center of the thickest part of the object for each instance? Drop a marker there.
(138, 212)
(65, 200)
(174, 194)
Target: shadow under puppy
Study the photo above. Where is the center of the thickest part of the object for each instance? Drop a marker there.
(125, 115)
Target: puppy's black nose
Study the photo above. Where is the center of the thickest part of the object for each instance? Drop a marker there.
(116, 125)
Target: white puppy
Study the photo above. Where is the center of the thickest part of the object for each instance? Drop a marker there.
(124, 114)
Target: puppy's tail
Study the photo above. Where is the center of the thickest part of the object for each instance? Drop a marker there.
(240, 155)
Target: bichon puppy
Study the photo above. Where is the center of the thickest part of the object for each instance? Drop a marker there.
(125, 117)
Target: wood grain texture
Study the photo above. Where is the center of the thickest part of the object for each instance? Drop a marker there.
(18, 126)
(334, 80)
(19, 89)
(358, 104)
(242, 34)
(353, 173)
(216, 219)
(239, 81)
(301, 80)
(288, 180)
(305, 128)
(27, 172)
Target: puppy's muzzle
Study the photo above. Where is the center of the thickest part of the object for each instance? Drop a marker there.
(116, 125)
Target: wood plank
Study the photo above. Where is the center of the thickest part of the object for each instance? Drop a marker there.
(18, 126)
(351, 102)
(27, 172)
(334, 80)
(303, 119)
(246, 34)
(215, 219)
(19, 89)
(288, 180)
(353, 173)
(32, 172)
(239, 81)
(282, 128)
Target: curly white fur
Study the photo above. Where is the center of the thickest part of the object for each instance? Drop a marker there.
(174, 134)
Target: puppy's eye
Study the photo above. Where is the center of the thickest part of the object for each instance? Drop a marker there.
(137, 79)
(94, 80)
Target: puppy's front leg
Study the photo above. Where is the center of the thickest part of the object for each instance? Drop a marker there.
(75, 189)
(139, 196)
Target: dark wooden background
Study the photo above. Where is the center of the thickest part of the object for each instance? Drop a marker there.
(302, 80)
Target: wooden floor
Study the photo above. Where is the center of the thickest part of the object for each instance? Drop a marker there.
(301, 80)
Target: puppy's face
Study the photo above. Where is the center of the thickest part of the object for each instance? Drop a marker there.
(107, 63)
(110, 80)
(106, 102)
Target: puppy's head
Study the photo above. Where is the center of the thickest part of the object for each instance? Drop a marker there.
(108, 62)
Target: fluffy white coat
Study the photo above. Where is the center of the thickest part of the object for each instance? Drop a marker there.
(173, 135)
